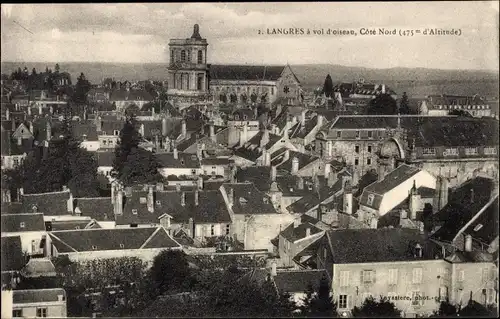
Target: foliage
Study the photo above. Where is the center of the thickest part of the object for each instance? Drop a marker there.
(39, 80)
(404, 105)
(225, 261)
(446, 309)
(328, 86)
(133, 164)
(365, 180)
(460, 113)
(82, 88)
(471, 310)
(374, 308)
(320, 303)
(132, 110)
(383, 104)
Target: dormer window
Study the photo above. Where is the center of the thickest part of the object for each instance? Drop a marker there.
(266, 200)
(182, 162)
(371, 197)
(116, 132)
(77, 227)
(478, 227)
(418, 251)
(22, 225)
(243, 201)
(143, 200)
(134, 211)
(94, 247)
(158, 203)
(122, 246)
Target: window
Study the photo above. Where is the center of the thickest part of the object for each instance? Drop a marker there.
(393, 276)
(22, 224)
(77, 227)
(122, 246)
(367, 276)
(368, 161)
(272, 91)
(478, 227)
(417, 298)
(486, 275)
(417, 275)
(344, 278)
(183, 55)
(94, 247)
(356, 148)
(228, 228)
(450, 152)
(371, 197)
(41, 312)
(134, 211)
(143, 200)
(370, 134)
(356, 162)
(443, 293)
(490, 151)
(429, 151)
(369, 148)
(17, 313)
(200, 82)
(171, 56)
(116, 132)
(339, 134)
(200, 56)
(490, 296)
(158, 203)
(461, 275)
(357, 134)
(212, 230)
(471, 151)
(343, 301)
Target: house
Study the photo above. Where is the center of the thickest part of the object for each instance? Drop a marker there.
(29, 227)
(16, 143)
(86, 132)
(297, 282)
(297, 163)
(243, 124)
(105, 163)
(108, 130)
(179, 164)
(39, 267)
(390, 190)
(53, 205)
(387, 262)
(90, 244)
(442, 105)
(304, 131)
(216, 166)
(124, 98)
(37, 303)
(255, 221)
(99, 209)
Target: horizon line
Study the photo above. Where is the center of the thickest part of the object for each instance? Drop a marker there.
(495, 71)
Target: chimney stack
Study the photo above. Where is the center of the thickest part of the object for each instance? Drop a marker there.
(141, 129)
(164, 126)
(468, 243)
(176, 153)
(273, 173)
(150, 200)
(212, 132)
(381, 172)
(183, 199)
(295, 166)
(244, 134)
(200, 183)
(347, 197)
(374, 222)
(159, 187)
(414, 201)
(30, 126)
(19, 141)
(308, 231)
(300, 183)
(49, 130)
(69, 204)
(230, 196)
(178, 187)
(119, 202)
(265, 138)
(274, 271)
(183, 129)
(320, 120)
(196, 194)
(328, 169)
(7, 114)
(40, 109)
(13, 127)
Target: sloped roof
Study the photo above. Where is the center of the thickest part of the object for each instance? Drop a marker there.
(299, 280)
(378, 245)
(85, 129)
(72, 224)
(110, 239)
(39, 267)
(51, 204)
(304, 159)
(260, 176)
(12, 253)
(98, 208)
(485, 227)
(293, 234)
(251, 149)
(105, 158)
(245, 72)
(132, 95)
(22, 223)
(37, 295)
(249, 200)
(184, 160)
(393, 179)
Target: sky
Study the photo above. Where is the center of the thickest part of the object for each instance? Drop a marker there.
(139, 33)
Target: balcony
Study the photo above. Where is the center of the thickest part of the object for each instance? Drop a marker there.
(187, 66)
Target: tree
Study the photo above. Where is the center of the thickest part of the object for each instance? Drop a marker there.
(475, 309)
(320, 303)
(404, 106)
(374, 308)
(132, 110)
(328, 86)
(383, 104)
(57, 68)
(460, 113)
(446, 309)
(82, 88)
(369, 177)
(170, 273)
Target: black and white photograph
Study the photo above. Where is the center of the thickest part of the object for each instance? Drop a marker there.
(250, 159)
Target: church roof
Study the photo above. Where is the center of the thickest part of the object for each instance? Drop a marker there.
(245, 72)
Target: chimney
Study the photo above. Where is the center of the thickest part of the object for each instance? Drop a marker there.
(48, 128)
(255, 113)
(348, 199)
(196, 197)
(274, 269)
(6, 196)
(273, 173)
(443, 193)
(51, 109)
(141, 129)
(183, 128)
(230, 196)
(267, 158)
(296, 221)
(30, 126)
(287, 127)
(176, 154)
(191, 227)
(178, 187)
(69, 203)
(468, 243)
(303, 118)
(383, 88)
(244, 134)
(45, 150)
(128, 191)
(40, 109)
(29, 110)
(403, 214)
(286, 156)
(295, 166)
(361, 215)
(159, 187)
(332, 178)
(212, 132)
(381, 172)
(233, 174)
(355, 177)
(414, 201)
(13, 128)
(98, 123)
(200, 182)
(374, 223)
(7, 114)
(392, 163)
(328, 169)
(164, 126)
(150, 200)
(472, 195)
(308, 231)
(320, 120)
(300, 183)
(183, 199)
(119, 202)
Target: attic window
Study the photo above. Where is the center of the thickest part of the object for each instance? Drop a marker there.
(370, 199)
(22, 225)
(194, 157)
(182, 161)
(77, 227)
(134, 211)
(143, 200)
(158, 203)
(122, 246)
(266, 200)
(478, 227)
(243, 201)
(94, 247)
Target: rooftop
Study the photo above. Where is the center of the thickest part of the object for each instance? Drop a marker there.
(299, 280)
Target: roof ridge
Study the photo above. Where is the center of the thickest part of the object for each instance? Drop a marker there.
(22, 214)
(62, 241)
(56, 192)
(45, 289)
(150, 237)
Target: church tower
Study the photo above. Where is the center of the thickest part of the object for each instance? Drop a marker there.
(188, 70)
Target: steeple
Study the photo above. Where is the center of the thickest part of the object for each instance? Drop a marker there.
(196, 32)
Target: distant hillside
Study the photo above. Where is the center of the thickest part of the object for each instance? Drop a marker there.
(416, 82)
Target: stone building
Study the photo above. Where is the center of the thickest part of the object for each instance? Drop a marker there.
(442, 105)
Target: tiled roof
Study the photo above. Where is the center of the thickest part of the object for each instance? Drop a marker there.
(289, 185)
(39, 267)
(216, 161)
(251, 149)
(245, 72)
(439, 100)
(426, 192)
(12, 208)
(485, 227)
(132, 95)
(461, 208)
(22, 223)
(71, 225)
(98, 208)
(109, 125)
(249, 200)
(37, 295)
(50, 204)
(12, 253)
(185, 160)
(111, 239)
(299, 280)
(260, 176)
(293, 234)
(392, 179)
(85, 129)
(303, 130)
(151, 128)
(378, 245)
(304, 160)
(105, 158)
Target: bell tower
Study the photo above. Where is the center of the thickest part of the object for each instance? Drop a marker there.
(188, 70)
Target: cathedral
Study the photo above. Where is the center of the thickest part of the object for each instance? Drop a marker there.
(193, 81)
